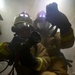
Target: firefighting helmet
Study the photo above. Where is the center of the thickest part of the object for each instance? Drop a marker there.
(40, 21)
(22, 21)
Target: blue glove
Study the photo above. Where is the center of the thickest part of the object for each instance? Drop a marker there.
(55, 17)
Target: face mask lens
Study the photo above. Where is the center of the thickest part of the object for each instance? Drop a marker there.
(40, 25)
(43, 25)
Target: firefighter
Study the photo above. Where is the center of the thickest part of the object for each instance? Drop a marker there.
(25, 52)
(53, 40)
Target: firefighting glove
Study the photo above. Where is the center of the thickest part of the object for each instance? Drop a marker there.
(34, 38)
(27, 58)
(57, 18)
(14, 46)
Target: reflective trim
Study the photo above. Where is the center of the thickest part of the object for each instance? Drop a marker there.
(52, 47)
(40, 64)
(2, 50)
(69, 35)
(66, 38)
(21, 22)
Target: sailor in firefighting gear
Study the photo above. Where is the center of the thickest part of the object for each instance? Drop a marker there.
(31, 57)
(55, 41)
(41, 25)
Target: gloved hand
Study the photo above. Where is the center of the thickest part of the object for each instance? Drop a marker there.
(27, 58)
(55, 17)
(34, 38)
(14, 46)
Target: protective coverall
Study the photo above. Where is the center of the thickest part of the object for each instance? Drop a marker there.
(31, 55)
(55, 42)
(39, 52)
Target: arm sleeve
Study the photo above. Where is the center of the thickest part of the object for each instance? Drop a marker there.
(67, 39)
(43, 58)
(3, 52)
